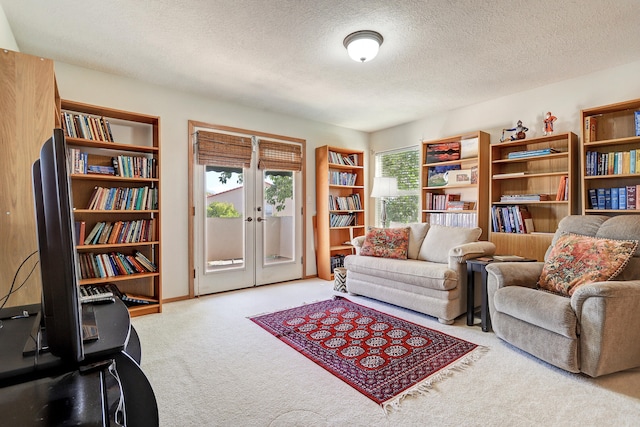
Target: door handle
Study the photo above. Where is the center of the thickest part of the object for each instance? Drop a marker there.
(260, 219)
(249, 219)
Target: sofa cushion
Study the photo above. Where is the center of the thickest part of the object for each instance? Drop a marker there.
(419, 273)
(417, 231)
(440, 239)
(539, 308)
(576, 260)
(386, 243)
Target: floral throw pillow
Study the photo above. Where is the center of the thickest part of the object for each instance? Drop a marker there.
(386, 243)
(576, 260)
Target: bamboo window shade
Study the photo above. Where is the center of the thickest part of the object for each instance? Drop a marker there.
(279, 156)
(219, 149)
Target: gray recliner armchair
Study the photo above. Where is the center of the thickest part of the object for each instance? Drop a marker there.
(596, 331)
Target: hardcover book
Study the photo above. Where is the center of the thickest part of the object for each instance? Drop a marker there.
(590, 128)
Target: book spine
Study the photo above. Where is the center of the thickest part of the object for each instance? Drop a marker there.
(622, 198)
(631, 197)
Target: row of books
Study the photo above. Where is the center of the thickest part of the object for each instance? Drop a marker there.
(86, 126)
(104, 232)
(125, 166)
(342, 178)
(339, 159)
(467, 220)
(124, 198)
(135, 167)
(617, 198)
(613, 163)
(511, 219)
(342, 220)
(337, 261)
(113, 264)
(441, 202)
(531, 153)
(347, 203)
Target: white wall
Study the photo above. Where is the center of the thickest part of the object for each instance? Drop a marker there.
(175, 109)
(7, 41)
(564, 99)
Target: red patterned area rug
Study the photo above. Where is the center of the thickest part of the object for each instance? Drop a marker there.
(382, 356)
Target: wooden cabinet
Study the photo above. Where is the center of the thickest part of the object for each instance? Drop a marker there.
(456, 169)
(610, 167)
(340, 205)
(28, 98)
(536, 178)
(115, 179)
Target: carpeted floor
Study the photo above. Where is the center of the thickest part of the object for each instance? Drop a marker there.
(211, 366)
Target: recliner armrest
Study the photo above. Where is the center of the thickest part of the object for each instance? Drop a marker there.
(461, 253)
(514, 274)
(608, 314)
(629, 289)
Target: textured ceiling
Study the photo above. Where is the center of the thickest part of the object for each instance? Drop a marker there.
(287, 56)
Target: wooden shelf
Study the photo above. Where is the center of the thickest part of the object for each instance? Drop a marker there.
(479, 160)
(136, 135)
(330, 239)
(615, 131)
(533, 175)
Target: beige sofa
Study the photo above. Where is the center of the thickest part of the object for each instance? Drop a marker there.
(595, 330)
(432, 280)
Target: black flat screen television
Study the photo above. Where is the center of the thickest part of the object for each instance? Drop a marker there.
(61, 309)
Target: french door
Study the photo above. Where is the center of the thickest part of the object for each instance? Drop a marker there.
(248, 218)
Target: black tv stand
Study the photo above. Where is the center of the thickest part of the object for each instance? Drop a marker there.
(38, 389)
(37, 339)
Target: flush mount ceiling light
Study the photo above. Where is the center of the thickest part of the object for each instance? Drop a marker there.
(363, 46)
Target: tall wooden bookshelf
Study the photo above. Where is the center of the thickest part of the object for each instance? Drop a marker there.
(131, 197)
(610, 138)
(340, 205)
(526, 175)
(468, 153)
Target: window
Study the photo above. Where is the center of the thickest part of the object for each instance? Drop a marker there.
(403, 164)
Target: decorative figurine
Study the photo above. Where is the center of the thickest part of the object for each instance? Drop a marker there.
(548, 123)
(519, 132)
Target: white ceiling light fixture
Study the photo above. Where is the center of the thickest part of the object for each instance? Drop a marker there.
(363, 46)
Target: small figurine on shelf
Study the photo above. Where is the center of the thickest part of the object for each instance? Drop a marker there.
(519, 132)
(548, 123)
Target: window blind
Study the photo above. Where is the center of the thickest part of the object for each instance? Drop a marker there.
(220, 149)
(279, 156)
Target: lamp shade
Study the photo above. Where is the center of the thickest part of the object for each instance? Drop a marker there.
(363, 46)
(384, 187)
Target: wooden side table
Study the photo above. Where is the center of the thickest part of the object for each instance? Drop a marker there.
(479, 265)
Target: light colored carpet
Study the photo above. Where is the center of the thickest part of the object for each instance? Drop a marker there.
(211, 366)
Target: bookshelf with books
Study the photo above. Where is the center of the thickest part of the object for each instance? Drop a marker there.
(455, 174)
(610, 156)
(114, 157)
(340, 205)
(534, 184)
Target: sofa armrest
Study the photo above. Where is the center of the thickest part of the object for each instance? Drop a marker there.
(357, 243)
(606, 313)
(461, 253)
